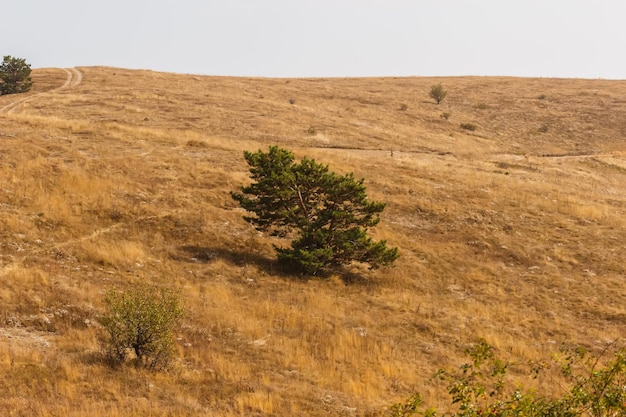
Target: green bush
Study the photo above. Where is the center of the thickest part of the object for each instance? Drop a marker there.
(594, 386)
(437, 93)
(139, 323)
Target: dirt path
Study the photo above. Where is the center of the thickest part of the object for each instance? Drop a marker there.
(98, 232)
(74, 78)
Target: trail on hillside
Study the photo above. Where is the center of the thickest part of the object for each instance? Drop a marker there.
(17, 335)
(51, 248)
(74, 78)
(98, 232)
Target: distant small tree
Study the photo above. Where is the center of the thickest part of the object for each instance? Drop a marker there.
(15, 76)
(328, 214)
(140, 322)
(437, 93)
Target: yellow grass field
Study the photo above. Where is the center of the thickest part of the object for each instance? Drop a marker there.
(514, 232)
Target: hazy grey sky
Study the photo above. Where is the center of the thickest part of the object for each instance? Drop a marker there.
(313, 38)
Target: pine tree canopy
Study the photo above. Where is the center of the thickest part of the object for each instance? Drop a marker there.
(14, 76)
(327, 214)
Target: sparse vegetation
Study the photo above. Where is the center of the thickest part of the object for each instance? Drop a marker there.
(404, 107)
(437, 93)
(329, 214)
(592, 386)
(93, 196)
(14, 76)
(139, 323)
(468, 126)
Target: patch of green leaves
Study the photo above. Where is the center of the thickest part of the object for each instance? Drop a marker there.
(139, 325)
(595, 386)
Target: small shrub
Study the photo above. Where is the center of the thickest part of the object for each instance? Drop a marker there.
(468, 126)
(543, 129)
(437, 93)
(311, 130)
(446, 115)
(139, 323)
(404, 107)
(194, 143)
(482, 106)
(541, 97)
(593, 386)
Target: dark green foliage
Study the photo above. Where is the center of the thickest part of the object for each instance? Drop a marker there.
(326, 214)
(15, 76)
(437, 93)
(594, 387)
(140, 322)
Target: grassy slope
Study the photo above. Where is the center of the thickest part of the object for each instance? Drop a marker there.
(514, 232)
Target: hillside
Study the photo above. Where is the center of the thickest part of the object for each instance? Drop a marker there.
(514, 232)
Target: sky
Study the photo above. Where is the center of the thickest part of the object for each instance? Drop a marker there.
(323, 38)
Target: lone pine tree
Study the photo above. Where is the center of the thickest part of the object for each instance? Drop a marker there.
(14, 76)
(328, 214)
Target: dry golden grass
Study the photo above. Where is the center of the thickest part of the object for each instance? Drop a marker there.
(513, 232)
